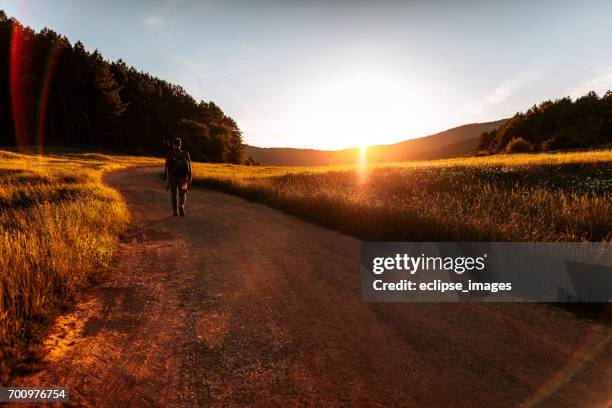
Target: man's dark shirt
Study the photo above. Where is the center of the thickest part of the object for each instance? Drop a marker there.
(168, 166)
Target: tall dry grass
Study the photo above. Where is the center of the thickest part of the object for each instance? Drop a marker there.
(59, 224)
(526, 197)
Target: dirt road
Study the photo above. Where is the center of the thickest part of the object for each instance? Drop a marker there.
(239, 304)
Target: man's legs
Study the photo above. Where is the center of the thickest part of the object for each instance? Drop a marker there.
(174, 191)
(182, 196)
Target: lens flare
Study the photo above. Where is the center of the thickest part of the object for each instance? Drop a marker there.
(29, 100)
(592, 348)
(16, 79)
(363, 163)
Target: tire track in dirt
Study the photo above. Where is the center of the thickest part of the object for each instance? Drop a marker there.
(239, 304)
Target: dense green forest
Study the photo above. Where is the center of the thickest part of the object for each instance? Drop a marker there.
(562, 124)
(56, 93)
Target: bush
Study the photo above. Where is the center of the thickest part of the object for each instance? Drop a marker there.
(548, 144)
(518, 145)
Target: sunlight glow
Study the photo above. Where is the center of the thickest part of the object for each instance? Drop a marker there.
(359, 108)
(363, 163)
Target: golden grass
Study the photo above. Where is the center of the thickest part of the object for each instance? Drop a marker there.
(59, 223)
(513, 160)
(523, 197)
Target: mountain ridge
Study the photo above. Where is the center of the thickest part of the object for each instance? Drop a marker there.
(458, 141)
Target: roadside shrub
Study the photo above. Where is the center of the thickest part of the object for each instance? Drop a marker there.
(518, 145)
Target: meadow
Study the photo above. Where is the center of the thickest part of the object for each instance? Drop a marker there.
(59, 226)
(522, 197)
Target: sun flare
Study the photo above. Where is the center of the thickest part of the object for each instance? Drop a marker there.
(362, 108)
(363, 162)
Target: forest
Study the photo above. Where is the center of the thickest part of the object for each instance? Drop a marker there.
(61, 94)
(563, 124)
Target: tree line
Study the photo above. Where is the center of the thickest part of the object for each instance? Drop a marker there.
(56, 93)
(562, 124)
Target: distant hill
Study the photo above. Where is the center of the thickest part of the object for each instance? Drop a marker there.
(459, 141)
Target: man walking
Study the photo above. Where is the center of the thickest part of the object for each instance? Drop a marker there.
(178, 176)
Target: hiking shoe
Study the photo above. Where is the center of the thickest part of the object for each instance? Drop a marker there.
(182, 212)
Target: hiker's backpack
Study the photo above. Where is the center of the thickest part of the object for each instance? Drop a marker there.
(180, 164)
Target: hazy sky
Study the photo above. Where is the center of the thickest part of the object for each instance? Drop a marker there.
(332, 74)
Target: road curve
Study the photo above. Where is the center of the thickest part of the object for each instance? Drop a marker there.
(239, 304)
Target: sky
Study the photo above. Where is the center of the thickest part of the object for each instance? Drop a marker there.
(336, 74)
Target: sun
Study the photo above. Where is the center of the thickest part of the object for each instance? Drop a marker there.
(359, 109)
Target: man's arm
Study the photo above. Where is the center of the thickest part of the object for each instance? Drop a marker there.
(189, 166)
(167, 168)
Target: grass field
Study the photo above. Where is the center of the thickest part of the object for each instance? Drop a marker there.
(59, 224)
(527, 197)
